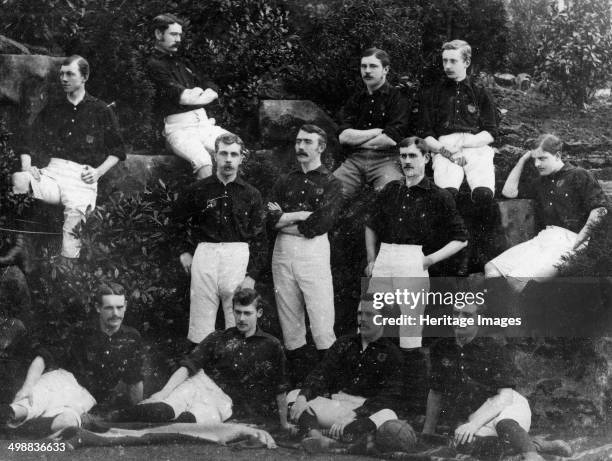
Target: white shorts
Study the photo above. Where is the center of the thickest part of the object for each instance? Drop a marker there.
(191, 135)
(56, 392)
(479, 169)
(518, 411)
(536, 259)
(200, 396)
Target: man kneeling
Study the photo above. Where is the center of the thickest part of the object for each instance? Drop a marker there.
(96, 361)
(240, 370)
(363, 375)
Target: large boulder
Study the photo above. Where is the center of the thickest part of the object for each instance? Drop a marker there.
(507, 80)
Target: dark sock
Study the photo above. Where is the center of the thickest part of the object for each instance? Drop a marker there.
(509, 431)
(321, 354)
(157, 412)
(6, 414)
(355, 429)
(454, 192)
(307, 421)
(186, 417)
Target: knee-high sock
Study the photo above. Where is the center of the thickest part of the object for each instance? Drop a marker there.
(510, 431)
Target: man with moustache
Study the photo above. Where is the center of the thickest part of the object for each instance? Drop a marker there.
(371, 124)
(182, 96)
(225, 219)
(303, 207)
(81, 135)
(569, 202)
(239, 371)
(459, 124)
(362, 373)
(61, 386)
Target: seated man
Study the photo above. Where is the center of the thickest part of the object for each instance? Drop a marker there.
(472, 381)
(239, 371)
(362, 374)
(59, 388)
(181, 95)
(569, 202)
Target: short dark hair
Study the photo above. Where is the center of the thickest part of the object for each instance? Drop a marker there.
(310, 128)
(420, 143)
(379, 54)
(246, 297)
(461, 45)
(110, 288)
(82, 64)
(550, 143)
(229, 138)
(162, 21)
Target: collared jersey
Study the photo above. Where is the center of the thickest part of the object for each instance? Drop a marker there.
(424, 214)
(467, 376)
(99, 361)
(171, 75)
(318, 191)
(458, 107)
(374, 373)
(252, 371)
(565, 198)
(85, 133)
(216, 212)
(385, 108)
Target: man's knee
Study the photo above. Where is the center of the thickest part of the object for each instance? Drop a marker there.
(482, 197)
(21, 182)
(491, 271)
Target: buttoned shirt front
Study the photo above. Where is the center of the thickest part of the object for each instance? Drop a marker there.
(470, 374)
(424, 214)
(99, 361)
(565, 198)
(385, 108)
(458, 107)
(251, 370)
(85, 133)
(317, 191)
(216, 212)
(373, 373)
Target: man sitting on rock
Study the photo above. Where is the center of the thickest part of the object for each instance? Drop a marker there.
(358, 385)
(472, 381)
(239, 371)
(61, 386)
(569, 202)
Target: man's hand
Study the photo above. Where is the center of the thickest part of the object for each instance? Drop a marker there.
(465, 433)
(448, 151)
(34, 171)
(90, 175)
(427, 262)
(24, 393)
(273, 206)
(208, 96)
(248, 282)
(337, 429)
(298, 408)
(186, 260)
(368, 269)
(292, 429)
(459, 160)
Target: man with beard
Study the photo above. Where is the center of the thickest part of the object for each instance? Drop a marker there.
(303, 207)
(61, 386)
(226, 218)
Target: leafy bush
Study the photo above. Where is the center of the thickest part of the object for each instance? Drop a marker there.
(576, 49)
(526, 19)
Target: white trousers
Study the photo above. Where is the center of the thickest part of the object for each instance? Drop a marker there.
(478, 170)
(56, 393)
(518, 411)
(303, 280)
(401, 267)
(200, 396)
(536, 259)
(216, 272)
(191, 135)
(61, 183)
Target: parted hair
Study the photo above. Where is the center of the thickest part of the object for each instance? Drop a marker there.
(246, 297)
(310, 128)
(461, 45)
(420, 143)
(82, 64)
(229, 138)
(110, 288)
(162, 21)
(550, 143)
(379, 54)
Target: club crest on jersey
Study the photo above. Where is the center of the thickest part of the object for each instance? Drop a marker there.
(471, 108)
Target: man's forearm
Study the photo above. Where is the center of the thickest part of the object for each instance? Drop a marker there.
(35, 371)
(110, 162)
(292, 230)
(353, 137)
(481, 139)
(370, 243)
(595, 216)
(491, 408)
(510, 189)
(26, 161)
(288, 219)
(281, 403)
(380, 142)
(135, 392)
(447, 251)
(434, 404)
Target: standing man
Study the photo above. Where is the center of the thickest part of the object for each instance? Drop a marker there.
(61, 386)
(81, 135)
(226, 218)
(569, 202)
(181, 95)
(303, 207)
(460, 122)
(239, 371)
(371, 124)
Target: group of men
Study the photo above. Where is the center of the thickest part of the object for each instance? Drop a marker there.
(414, 224)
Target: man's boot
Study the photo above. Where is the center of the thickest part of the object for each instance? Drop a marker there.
(20, 254)
(552, 447)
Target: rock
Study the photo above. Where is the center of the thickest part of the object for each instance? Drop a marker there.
(607, 188)
(279, 121)
(507, 80)
(518, 220)
(523, 82)
(134, 174)
(270, 87)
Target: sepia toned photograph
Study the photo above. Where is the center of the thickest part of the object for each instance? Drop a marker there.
(282, 229)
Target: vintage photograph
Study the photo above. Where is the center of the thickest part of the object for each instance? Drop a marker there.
(283, 229)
